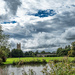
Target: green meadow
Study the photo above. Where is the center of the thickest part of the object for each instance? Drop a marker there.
(11, 60)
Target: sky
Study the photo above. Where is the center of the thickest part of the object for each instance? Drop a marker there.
(38, 24)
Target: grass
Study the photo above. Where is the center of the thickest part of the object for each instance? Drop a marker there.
(11, 60)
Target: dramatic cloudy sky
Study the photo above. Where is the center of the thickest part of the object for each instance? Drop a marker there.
(38, 24)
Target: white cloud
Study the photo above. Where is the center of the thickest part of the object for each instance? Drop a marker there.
(39, 33)
(2, 7)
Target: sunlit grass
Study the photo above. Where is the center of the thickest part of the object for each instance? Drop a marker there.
(11, 60)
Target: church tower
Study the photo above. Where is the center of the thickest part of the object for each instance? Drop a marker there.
(19, 46)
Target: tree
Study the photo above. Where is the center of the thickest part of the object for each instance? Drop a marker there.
(7, 50)
(16, 53)
(63, 51)
(58, 50)
(36, 52)
(4, 50)
(43, 52)
(2, 55)
(72, 51)
(73, 46)
(3, 38)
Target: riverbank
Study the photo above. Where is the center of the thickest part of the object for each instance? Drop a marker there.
(27, 59)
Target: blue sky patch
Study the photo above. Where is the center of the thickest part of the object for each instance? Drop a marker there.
(45, 13)
(9, 22)
(73, 5)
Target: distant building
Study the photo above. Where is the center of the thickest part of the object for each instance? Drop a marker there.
(19, 46)
(43, 55)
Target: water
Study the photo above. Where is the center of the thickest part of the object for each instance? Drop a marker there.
(18, 70)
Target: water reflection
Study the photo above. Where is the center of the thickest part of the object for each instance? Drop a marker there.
(18, 70)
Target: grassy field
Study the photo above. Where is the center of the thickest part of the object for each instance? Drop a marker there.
(10, 60)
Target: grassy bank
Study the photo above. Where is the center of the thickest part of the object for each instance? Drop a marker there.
(11, 60)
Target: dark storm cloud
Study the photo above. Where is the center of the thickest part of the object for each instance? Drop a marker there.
(13, 5)
(43, 46)
(3, 17)
(19, 32)
(42, 27)
(65, 20)
(73, 5)
(69, 34)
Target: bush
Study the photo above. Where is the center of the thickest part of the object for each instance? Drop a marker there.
(56, 61)
(4, 59)
(73, 61)
(44, 61)
(62, 68)
(0, 61)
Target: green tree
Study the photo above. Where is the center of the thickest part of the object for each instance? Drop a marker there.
(4, 45)
(7, 50)
(16, 53)
(63, 51)
(72, 51)
(43, 52)
(58, 51)
(3, 38)
(73, 46)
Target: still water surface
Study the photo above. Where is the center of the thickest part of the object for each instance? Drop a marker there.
(18, 70)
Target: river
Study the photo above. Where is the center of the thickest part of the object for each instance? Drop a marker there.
(18, 70)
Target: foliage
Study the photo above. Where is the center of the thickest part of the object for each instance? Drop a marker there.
(62, 68)
(16, 53)
(4, 50)
(0, 61)
(73, 45)
(56, 61)
(72, 51)
(3, 55)
(3, 38)
(29, 54)
(63, 51)
(43, 52)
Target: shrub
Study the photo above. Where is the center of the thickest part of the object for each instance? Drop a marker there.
(56, 61)
(73, 61)
(0, 61)
(44, 61)
(62, 68)
(4, 59)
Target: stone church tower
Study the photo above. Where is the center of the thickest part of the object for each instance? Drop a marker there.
(19, 46)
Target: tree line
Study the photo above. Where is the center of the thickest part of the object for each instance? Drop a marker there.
(67, 51)
(20, 53)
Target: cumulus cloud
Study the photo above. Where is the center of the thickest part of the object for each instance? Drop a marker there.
(13, 5)
(35, 32)
(69, 34)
